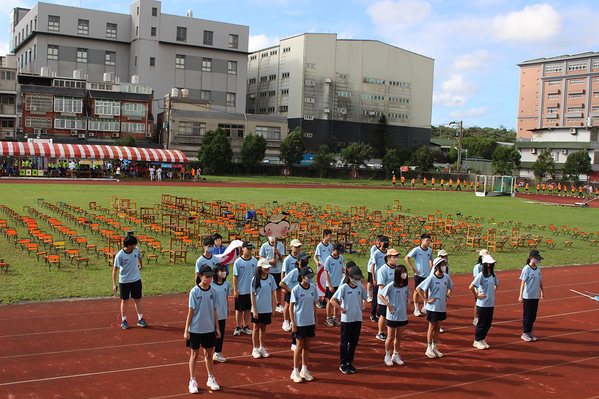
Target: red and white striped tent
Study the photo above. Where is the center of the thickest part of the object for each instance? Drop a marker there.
(82, 151)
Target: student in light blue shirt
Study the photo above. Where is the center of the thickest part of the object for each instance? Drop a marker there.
(531, 290)
(396, 297)
(423, 263)
(222, 288)
(333, 272)
(201, 326)
(219, 249)
(304, 320)
(374, 247)
(384, 276)
(207, 257)
(475, 271)
(127, 264)
(287, 266)
(323, 250)
(243, 271)
(377, 260)
(435, 291)
(274, 254)
(290, 281)
(263, 299)
(483, 287)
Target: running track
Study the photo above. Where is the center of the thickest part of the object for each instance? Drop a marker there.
(66, 349)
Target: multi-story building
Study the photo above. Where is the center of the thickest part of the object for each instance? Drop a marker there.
(165, 51)
(337, 88)
(8, 97)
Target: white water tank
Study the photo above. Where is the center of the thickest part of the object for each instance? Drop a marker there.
(189, 14)
(107, 77)
(135, 79)
(174, 92)
(185, 93)
(45, 71)
(77, 74)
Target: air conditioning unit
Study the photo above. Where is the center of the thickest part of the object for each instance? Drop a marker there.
(565, 152)
(74, 132)
(91, 134)
(149, 134)
(327, 111)
(9, 134)
(253, 95)
(116, 135)
(573, 130)
(371, 113)
(327, 80)
(44, 132)
(81, 135)
(533, 150)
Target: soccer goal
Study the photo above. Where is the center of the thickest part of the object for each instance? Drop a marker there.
(494, 186)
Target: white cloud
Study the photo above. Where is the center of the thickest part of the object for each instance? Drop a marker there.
(259, 42)
(469, 113)
(535, 23)
(399, 14)
(474, 61)
(456, 84)
(448, 100)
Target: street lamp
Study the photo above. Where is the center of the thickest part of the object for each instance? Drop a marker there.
(459, 142)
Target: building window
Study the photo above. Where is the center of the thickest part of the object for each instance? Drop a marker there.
(553, 97)
(576, 95)
(554, 83)
(271, 109)
(552, 110)
(81, 55)
(400, 84)
(252, 81)
(207, 64)
(135, 62)
(253, 57)
(371, 80)
(263, 78)
(595, 108)
(272, 93)
(263, 94)
(342, 76)
(152, 61)
(153, 31)
(286, 49)
(54, 23)
(154, 11)
(344, 94)
(399, 100)
(181, 34)
(309, 117)
(110, 58)
(69, 105)
(8, 75)
(232, 67)
(230, 100)
(111, 31)
(208, 34)
(110, 108)
(283, 108)
(310, 83)
(232, 130)
(83, 27)
(574, 109)
(577, 66)
(554, 68)
(264, 54)
(179, 61)
(233, 41)
(285, 75)
(52, 52)
(191, 129)
(310, 65)
(285, 91)
(272, 77)
(262, 110)
(309, 99)
(205, 95)
(576, 81)
(574, 119)
(38, 103)
(342, 110)
(372, 97)
(273, 52)
(269, 132)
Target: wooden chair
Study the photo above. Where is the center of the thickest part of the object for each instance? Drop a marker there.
(3, 265)
(492, 241)
(114, 243)
(472, 238)
(176, 251)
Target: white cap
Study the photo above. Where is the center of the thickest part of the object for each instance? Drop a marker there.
(488, 259)
(483, 252)
(438, 260)
(295, 243)
(263, 263)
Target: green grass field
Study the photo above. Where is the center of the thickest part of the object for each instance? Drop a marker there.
(29, 279)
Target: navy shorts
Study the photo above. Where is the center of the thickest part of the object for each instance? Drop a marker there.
(207, 340)
(263, 318)
(370, 277)
(243, 302)
(277, 277)
(395, 324)
(133, 288)
(435, 316)
(305, 331)
(287, 297)
(328, 294)
(382, 310)
(417, 281)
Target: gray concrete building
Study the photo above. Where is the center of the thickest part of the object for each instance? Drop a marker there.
(338, 88)
(165, 51)
(8, 97)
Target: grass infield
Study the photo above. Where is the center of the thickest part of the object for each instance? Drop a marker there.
(29, 280)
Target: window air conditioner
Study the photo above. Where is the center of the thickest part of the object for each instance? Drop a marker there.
(327, 111)
(115, 135)
(573, 130)
(44, 132)
(73, 132)
(372, 113)
(9, 134)
(148, 134)
(91, 134)
(565, 152)
(533, 150)
(81, 135)
(327, 80)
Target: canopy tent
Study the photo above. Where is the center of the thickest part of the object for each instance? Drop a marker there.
(90, 151)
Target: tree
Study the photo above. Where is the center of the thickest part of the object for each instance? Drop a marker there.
(452, 156)
(127, 141)
(323, 159)
(292, 148)
(215, 153)
(394, 159)
(422, 158)
(253, 151)
(577, 164)
(382, 138)
(544, 165)
(505, 160)
(357, 154)
(479, 147)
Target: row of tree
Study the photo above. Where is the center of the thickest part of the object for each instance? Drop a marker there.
(578, 163)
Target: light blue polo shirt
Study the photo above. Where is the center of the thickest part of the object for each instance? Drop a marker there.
(398, 298)
(486, 285)
(288, 264)
(267, 252)
(437, 288)
(421, 260)
(202, 260)
(478, 268)
(128, 266)
(335, 269)
(323, 252)
(303, 310)
(532, 282)
(203, 303)
(378, 260)
(263, 294)
(222, 292)
(290, 279)
(351, 299)
(384, 276)
(244, 270)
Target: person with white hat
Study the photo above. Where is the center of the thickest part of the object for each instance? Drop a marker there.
(531, 290)
(483, 287)
(384, 276)
(475, 271)
(287, 266)
(263, 288)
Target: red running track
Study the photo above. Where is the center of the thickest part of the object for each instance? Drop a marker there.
(67, 349)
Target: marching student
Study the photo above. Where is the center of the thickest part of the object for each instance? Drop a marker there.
(396, 297)
(483, 287)
(333, 272)
(274, 255)
(413, 183)
(287, 266)
(304, 320)
(423, 260)
(243, 271)
(475, 271)
(538, 188)
(222, 289)
(219, 249)
(457, 186)
(442, 185)
(424, 182)
(263, 288)
(289, 283)
(531, 290)
(403, 181)
(350, 299)
(435, 291)
(394, 181)
(376, 261)
(207, 257)
(559, 189)
(323, 250)
(527, 188)
(201, 326)
(384, 276)
(374, 247)
(433, 183)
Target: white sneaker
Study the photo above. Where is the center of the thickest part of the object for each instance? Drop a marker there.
(256, 353)
(437, 353)
(388, 360)
(423, 310)
(246, 330)
(286, 326)
(193, 386)
(417, 312)
(487, 346)
(397, 359)
(293, 347)
(475, 321)
(211, 383)
(441, 330)
(218, 358)
(279, 308)
(369, 299)
(479, 345)
(305, 374)
(430, 353)
(263, 352)
(295, 376)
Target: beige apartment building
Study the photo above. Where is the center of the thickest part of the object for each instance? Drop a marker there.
(8, 97)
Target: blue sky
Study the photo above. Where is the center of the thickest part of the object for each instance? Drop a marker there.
(476, 44)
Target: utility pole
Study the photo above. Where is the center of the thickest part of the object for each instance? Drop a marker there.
(460, 124)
